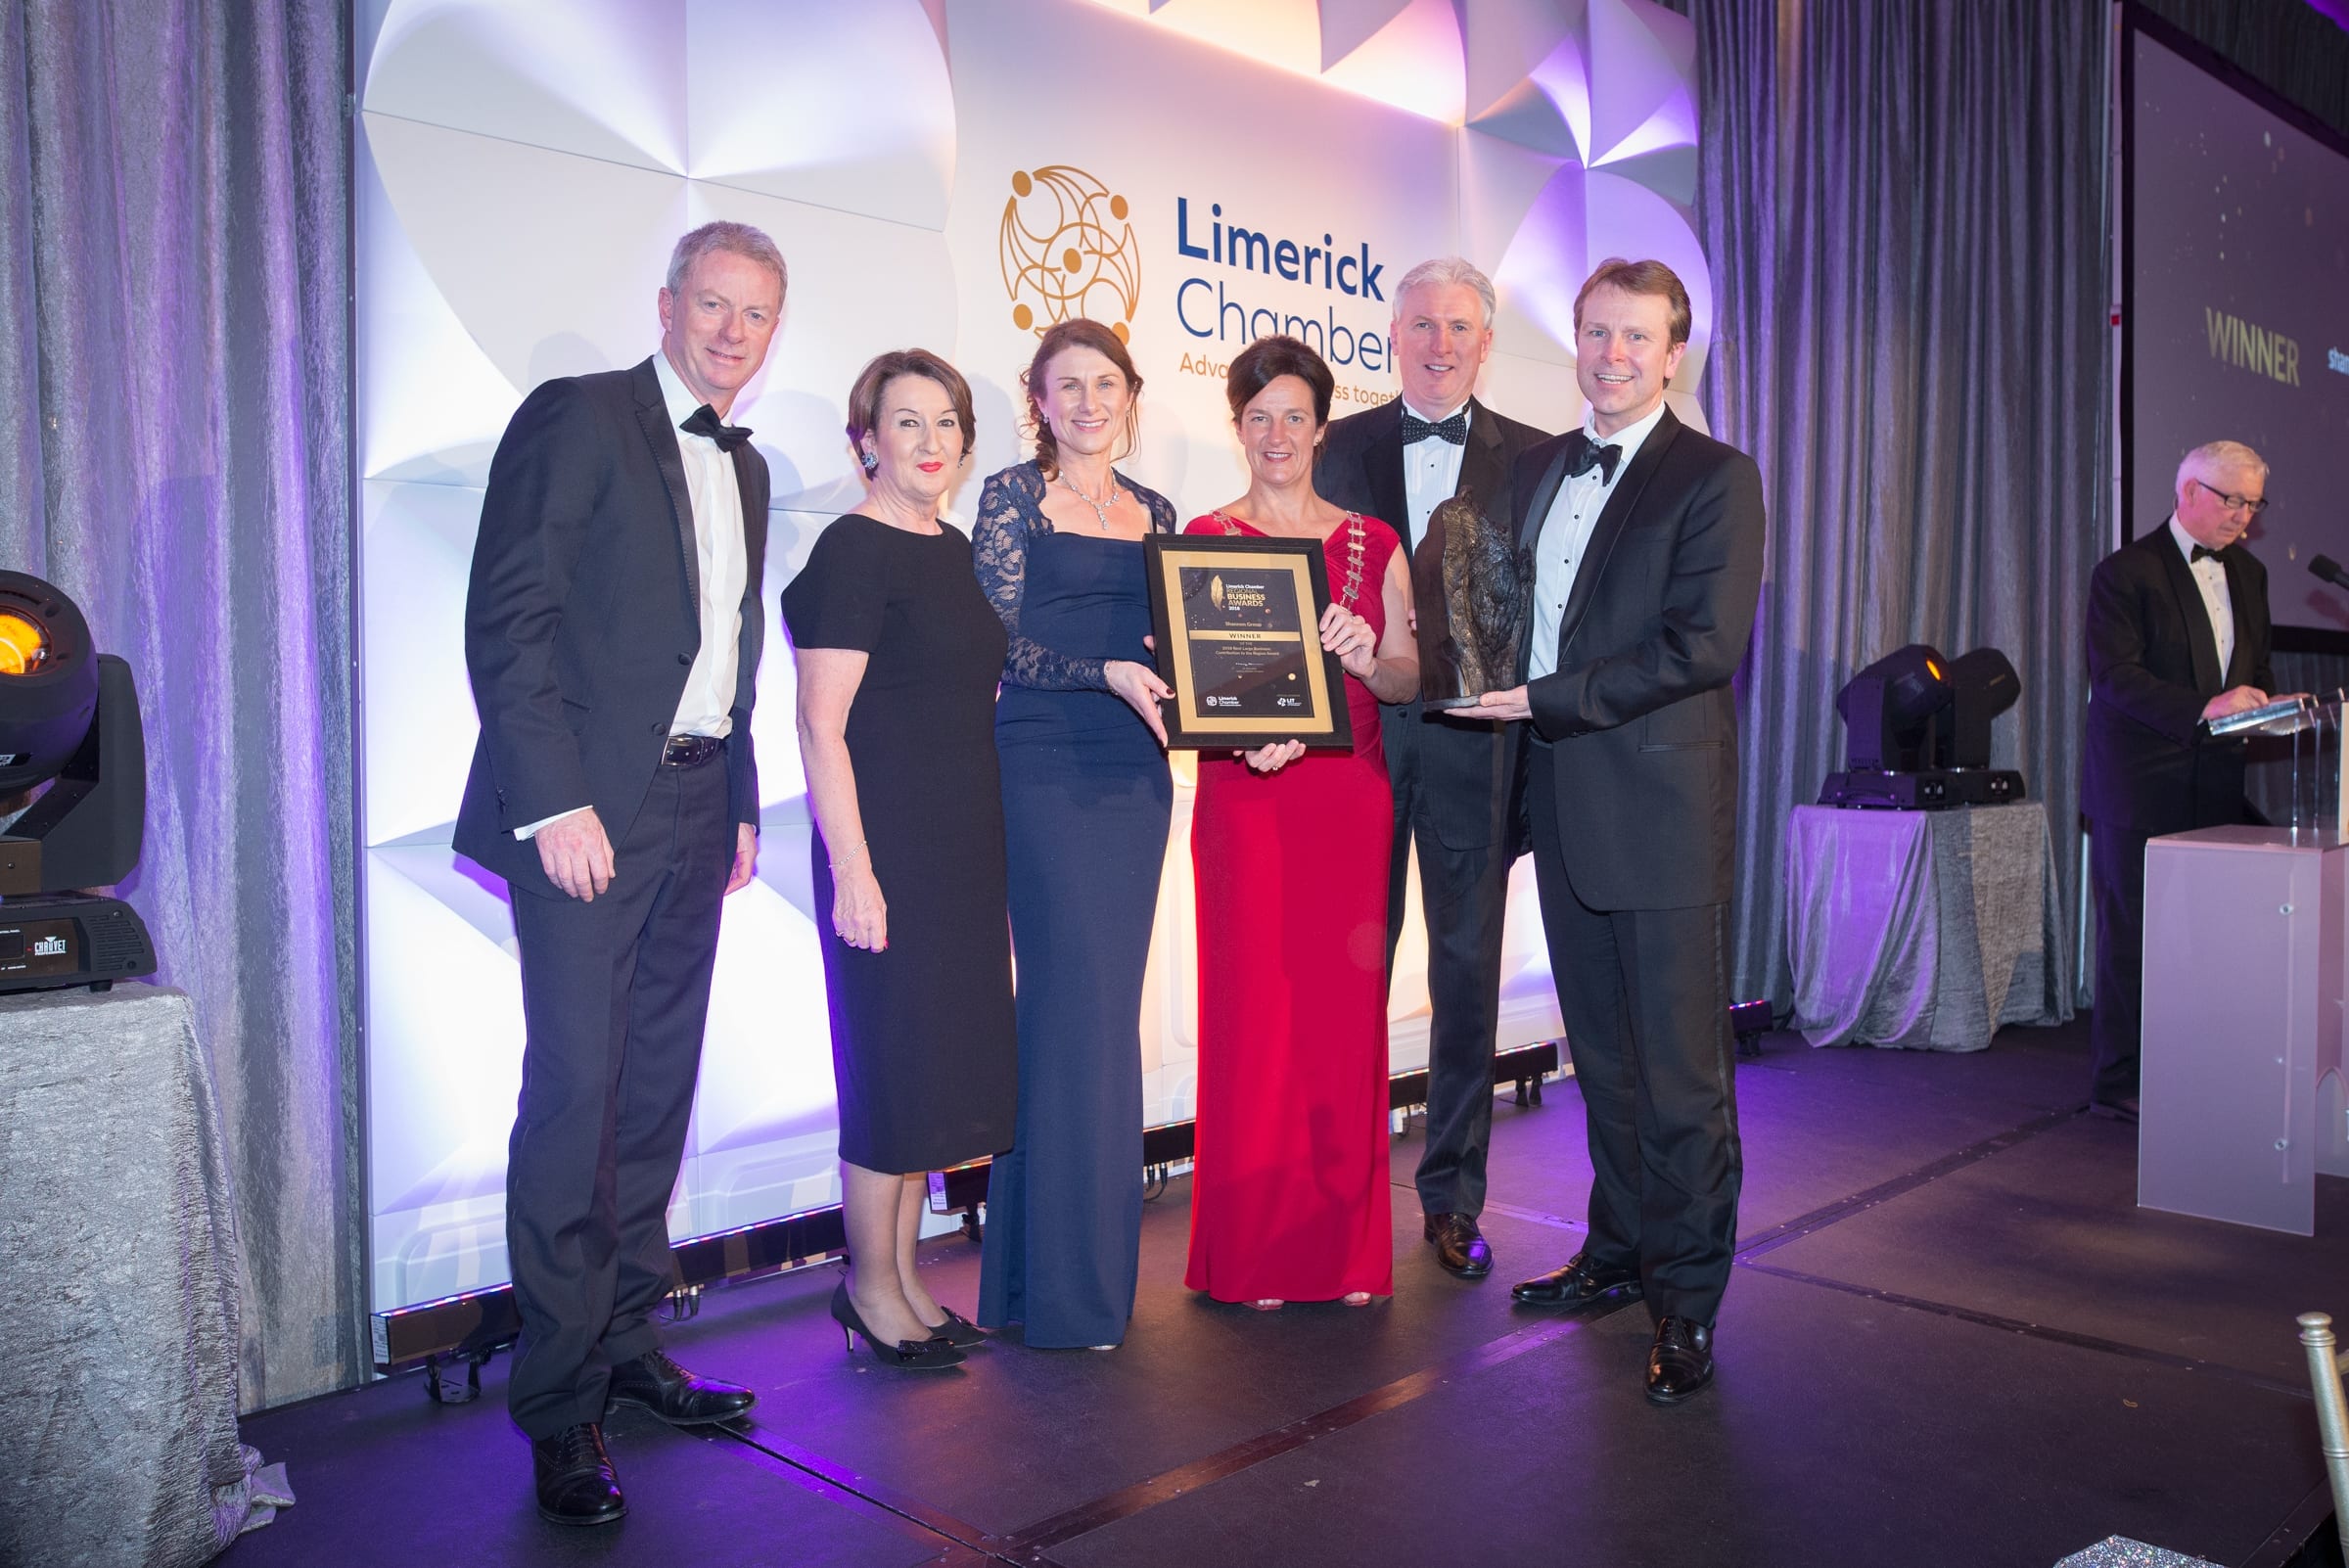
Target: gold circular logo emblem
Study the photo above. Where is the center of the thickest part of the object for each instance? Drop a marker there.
(1067, 250)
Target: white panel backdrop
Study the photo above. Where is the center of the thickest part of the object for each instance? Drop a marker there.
(955, 174)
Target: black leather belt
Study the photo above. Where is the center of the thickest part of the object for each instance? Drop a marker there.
(691, 750)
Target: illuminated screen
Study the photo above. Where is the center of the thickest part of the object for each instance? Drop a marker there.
(2237, 312)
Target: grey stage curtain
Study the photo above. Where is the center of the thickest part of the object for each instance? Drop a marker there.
(1903, 207)
(174, 453)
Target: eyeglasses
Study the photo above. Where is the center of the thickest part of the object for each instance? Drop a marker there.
(2235, 503)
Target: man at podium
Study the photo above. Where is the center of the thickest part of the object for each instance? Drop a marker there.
(2177, 635)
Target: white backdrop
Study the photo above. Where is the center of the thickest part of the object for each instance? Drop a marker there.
(956, 174)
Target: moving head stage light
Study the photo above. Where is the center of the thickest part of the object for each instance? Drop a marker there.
(69, 719)
(1916, 733)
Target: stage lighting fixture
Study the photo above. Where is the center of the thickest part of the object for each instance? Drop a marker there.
(1916, 730)
(74, 776)
(1982, 686)
(1888, 711)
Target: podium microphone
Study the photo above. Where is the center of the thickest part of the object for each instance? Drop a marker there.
(2325, 566)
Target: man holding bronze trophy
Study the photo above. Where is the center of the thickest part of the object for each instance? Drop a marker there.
(1647, 565)
(1436, 463)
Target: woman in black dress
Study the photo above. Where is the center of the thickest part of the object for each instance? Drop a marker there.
(898, 654)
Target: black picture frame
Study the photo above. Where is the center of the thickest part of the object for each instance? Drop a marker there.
(1236, 619)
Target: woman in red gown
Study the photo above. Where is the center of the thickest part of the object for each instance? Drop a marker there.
(1289, 1193)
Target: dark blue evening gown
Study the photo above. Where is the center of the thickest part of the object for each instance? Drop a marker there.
(1087, 796)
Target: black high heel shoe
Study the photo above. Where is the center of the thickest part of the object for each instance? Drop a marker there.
(958, 1331)
(923, 1356)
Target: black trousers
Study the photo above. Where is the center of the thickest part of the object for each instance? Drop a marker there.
(2116, 877)
(1464, 897)
(1646, 998)
(615, 993)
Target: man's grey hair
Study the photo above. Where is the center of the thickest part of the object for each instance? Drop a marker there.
(742, 239)
(2212, 459)
(1447, 270)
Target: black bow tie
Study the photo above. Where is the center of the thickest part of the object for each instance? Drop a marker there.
(1453, 430)
(1602, 459)
(705, 423)
(2201, 552)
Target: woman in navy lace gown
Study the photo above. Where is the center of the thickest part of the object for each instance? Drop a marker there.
(1085, 802)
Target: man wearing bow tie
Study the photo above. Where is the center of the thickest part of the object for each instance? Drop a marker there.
(1647, 562)
(611, 633)
(2176, 634)
(1398, 462)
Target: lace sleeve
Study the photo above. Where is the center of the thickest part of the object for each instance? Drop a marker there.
(999, 555)
(1161, 510)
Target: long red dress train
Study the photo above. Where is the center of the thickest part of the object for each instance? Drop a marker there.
(1289, 1192)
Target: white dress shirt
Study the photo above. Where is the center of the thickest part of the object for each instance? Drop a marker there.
(1566, 533)
(2211, 578)
(1431, 473)
(707, 705)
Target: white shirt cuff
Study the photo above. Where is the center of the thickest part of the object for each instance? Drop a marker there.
(531, 831)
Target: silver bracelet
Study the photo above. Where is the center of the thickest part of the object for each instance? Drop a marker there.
(851, 853)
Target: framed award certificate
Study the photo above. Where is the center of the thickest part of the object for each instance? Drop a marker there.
(1237, 619)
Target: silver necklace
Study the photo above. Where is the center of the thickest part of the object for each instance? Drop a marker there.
(1100, 507)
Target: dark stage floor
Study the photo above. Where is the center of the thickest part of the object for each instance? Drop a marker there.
(1953, 1339)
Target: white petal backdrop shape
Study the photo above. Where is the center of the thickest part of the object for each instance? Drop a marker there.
(841, 106)
(1412, 59)
(1643, 80)
(452, 1000)
(1524, 211)
(409, 338)
(604, 79)
(550, 259)
(763, 1117)
(414, 558)
(1527, 75)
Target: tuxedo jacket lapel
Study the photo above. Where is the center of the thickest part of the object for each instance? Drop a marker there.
(652, 413)
(1529, 531)
(1546, 492)
(750, 478)
(1621, 504)
(1382, 474)
(2238, 667)
(2202, 637)
(1482, 470)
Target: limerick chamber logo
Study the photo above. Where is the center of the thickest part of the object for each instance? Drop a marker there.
(1067, 250)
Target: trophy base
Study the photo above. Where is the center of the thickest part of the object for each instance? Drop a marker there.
(1451, 702)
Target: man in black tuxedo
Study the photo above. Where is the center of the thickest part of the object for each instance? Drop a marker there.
(1451, 780)
(611, 633)
(2177, 634)
(1647, 562)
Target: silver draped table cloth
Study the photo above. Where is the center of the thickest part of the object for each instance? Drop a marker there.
(118, 1290)
(1928, 929)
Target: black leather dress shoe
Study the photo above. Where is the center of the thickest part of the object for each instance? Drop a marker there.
(575, 1479)
(1681, 1362)
(1459, 1246)
(1578, 1287)
(2123, 1109)
(680, 1398)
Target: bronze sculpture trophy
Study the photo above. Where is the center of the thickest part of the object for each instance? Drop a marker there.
(1470, 582)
